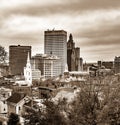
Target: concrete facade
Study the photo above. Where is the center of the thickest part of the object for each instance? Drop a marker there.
(49, 65)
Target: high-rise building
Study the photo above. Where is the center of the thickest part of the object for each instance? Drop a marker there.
(117, 64)
(18, 58)
(49, 65)
(73, 55)
(55, 43)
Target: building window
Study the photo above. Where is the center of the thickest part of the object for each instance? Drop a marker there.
(4, 95)
(19, 108)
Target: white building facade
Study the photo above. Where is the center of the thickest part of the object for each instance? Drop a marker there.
(28, 72)
(49, 65)
(5, 93)
(52, 66)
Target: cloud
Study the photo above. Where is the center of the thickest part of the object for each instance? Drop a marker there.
(95, 53)
(46, 7)
(105, 35)
(94, 24)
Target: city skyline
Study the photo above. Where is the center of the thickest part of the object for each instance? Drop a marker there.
(94, 25)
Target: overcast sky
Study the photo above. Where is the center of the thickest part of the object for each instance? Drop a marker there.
(95, 24)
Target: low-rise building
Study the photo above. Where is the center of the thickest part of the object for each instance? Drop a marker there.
(75, 75)
(5, 93)
(15, 103)
(22, 89)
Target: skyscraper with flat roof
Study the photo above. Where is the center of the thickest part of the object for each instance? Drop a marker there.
(55, 43)
(18, 58)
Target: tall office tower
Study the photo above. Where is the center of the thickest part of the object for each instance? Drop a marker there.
(55, 43)
(73, 55)
(117, 64)
(18, 58)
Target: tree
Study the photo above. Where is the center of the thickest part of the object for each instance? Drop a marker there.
(85, 108)
(97, 103)
(52, 115)
(13, 119)
(111, 111)
(3, 54)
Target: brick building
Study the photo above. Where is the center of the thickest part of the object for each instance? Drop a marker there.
(18, 58)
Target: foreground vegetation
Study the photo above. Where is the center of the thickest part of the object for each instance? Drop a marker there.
(97, 103)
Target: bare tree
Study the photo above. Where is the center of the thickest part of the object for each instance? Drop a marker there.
(97, 103)
(111, 111)
(52, 115)
(3, 54)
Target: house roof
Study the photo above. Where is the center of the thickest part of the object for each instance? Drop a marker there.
(16, 97)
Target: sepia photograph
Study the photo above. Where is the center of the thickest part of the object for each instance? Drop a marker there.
(59, 62)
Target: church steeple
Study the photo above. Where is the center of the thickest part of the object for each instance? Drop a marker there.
(28, 71)
(28, 58)
(28, 64)
(66, 68)
(71, 37)
(70, 44)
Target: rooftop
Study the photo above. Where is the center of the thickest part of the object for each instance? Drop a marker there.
(79, 73)
(53, 30)
(16, 97)
(45, 56)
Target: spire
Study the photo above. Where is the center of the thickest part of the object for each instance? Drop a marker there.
(71, 37)
(70, 43)
(66, 68)
(28, 58)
